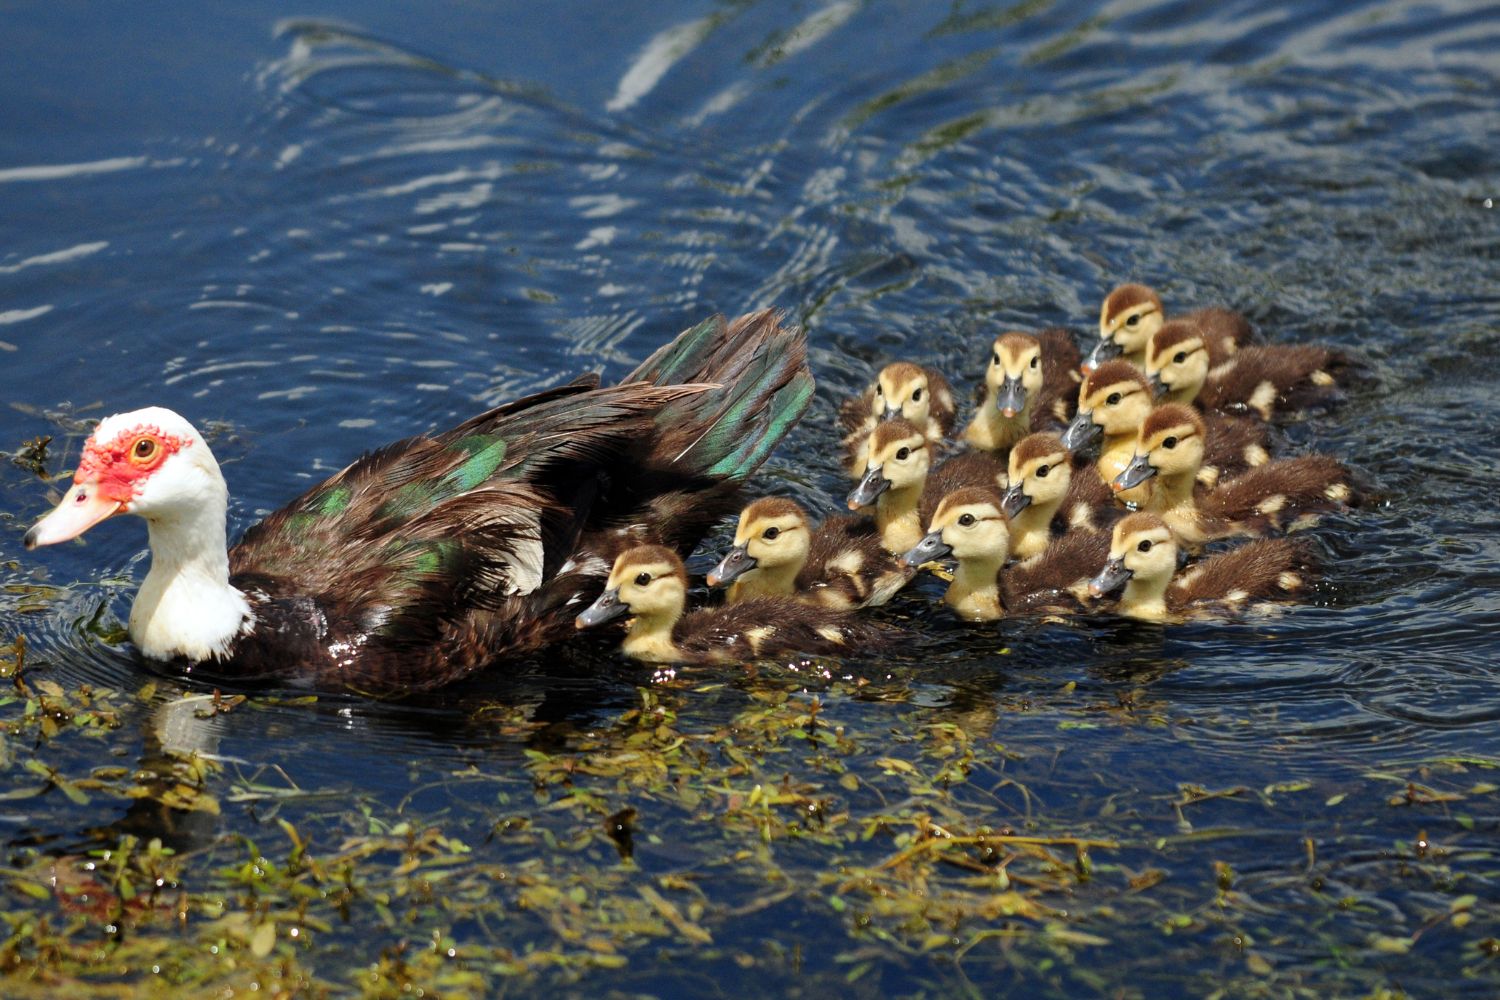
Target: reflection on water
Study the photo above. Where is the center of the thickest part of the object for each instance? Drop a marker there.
(402, 219)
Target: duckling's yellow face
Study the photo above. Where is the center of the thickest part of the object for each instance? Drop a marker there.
(902, 459)
(972, 529)
(901, 390)
(1015, 363)
(1148, 552)
(1178, 367)
(1117, 406)
(648, 587)
(773, 539)
(1172, 449)
(1043, 478)
(1130, 316)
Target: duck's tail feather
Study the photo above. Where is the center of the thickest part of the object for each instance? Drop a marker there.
(764, 387)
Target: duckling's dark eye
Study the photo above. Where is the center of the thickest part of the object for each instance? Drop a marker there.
(903, 454)
(965, 520)
(642, 579)
(1132, 321)
(1114, 398)
(916, 395)
(995, 358)
(1180, 357)
(1170, 442)
(1145, 546)
(1042, 470)
(879, 389)
(1035, 361)
(770, 533)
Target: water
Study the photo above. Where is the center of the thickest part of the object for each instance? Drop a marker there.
(314, 236)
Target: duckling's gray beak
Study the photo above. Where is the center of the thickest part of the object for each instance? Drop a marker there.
(1137, 472)
(607, 607)
(1112, 577)
(1010, 398)
(1102, 352)
(736, 562)
(1082, 434)
(869, 489)
(1014, 501)
(929, 549)
(889, 413)
(1158, 387)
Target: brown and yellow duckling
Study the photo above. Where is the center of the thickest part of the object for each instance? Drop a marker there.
(649, 584)
(917, 394)
(1113, 402)
(1143, 558)
(1270, 497)
(970, 526)
(1132, 314)
(900, 483)
(1046, 499)
(1030, 384)
(1260, 380)
(777, 553)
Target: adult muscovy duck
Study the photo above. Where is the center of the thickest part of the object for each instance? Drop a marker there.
(435, 556)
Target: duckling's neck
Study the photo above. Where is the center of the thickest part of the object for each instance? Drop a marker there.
(1184, 394)
(898, 519)
(1173, 491)
(1031, 530)
(765, 581)
(975, 591)
(993, 430)
(1145, 599)
(650, 638)
(1116, 453)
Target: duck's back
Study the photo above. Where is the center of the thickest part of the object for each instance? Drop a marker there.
(1055, 577)
(1265, 569)
(1273, 496)
(967, 468)
(1278, 378)
(768, 627)
(1061, 376)
(1224, 331)
(848, 568)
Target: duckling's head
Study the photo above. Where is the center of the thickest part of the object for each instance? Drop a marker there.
(1131, 314)
(968, 524)
(646, 581)
(1142, 548)
(772, 532)
(1041, 470)
(1177, 359)
(1015, 371)
(1171, 443)
(902, 390)
(898, 459)
(1113, 399)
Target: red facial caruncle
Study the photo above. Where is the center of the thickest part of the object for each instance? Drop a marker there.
(120, 466)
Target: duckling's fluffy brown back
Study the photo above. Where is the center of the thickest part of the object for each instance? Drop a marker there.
(1273, 496)
(1278, 378)
(771, 627)
(1261, 570)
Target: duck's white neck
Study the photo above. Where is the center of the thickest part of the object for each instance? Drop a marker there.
(186, 605)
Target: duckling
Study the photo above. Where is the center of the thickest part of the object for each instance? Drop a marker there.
(1132, 313)
(1115, 399)
(969, 525)
(897, 484)
(1030, 384)
(1046, 499)
(1269, 497)
(649, 583)
(915, 393)
(1143, 557)
(1261, 380)
(777, 553)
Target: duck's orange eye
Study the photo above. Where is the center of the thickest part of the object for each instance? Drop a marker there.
(144, 450)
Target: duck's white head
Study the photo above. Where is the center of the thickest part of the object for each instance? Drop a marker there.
(149, 462)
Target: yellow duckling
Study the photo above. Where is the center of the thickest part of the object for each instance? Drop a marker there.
(916, 394)
(897, 483)
(1169, 454)
(1260, 380)
(1143, 560)
(776, 553)
(649, 584)
(969, 525)
(1046, 499)
(1114, 401)
(1132, 314)
(1030, 384)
